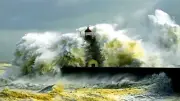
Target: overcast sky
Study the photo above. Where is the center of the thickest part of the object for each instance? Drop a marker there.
(18, 17)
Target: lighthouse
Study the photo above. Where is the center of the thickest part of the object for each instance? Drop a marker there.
(93, 57)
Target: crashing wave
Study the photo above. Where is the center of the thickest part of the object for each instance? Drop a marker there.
(168, 29)
(166, 36)
(47, 52)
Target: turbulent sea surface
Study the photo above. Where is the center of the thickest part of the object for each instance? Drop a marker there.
(44, 53)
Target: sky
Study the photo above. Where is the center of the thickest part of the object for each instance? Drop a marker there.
(18, 17)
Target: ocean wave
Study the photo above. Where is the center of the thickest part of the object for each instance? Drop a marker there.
(47, 52)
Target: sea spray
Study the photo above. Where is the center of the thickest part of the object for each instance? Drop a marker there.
(47, 52)
(165, 37)
(117, 48)
(40, 52)
(43, 52)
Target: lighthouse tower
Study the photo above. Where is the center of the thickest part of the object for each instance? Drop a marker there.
(93, 57)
